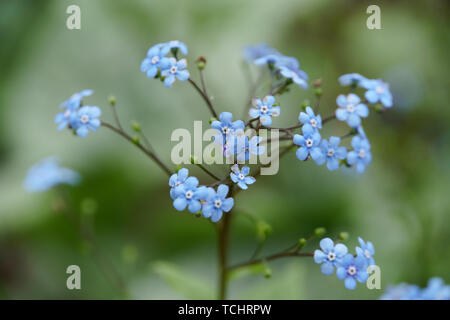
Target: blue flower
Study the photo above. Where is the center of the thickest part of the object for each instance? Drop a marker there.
(174, 70)
(264, 110)
(188, 194)
(243, 147)
(177, 179)
(330, 256)
(270, 59)
(47, 174)
(257, 51)
(240, 176)
(402, 291)
(331, 153)
(298, 76)
(436, 290)
(351, 79)
(309, 143)
(226, 127)
(176, 45)
(310, 118)
(86, 119)
(366, 251)
(351, 110)
(377, 91)
(70, 105)
(155, 60)
(216, 203)
(360, 155)
(352, 269)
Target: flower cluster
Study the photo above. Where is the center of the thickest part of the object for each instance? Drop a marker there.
(47, 174)
(77, 117)
(281, 66)
(435, 290)
(186, 193)
(264, 110)
(350, 268)
(168, 69)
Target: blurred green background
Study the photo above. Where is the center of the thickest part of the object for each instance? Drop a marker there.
(401, 203)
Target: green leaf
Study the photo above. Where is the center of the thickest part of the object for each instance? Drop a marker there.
(181, 281)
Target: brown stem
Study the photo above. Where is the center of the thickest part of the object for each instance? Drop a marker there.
(223, 246)
(150, 154)
(275, 256)
(204, 96)
(212, 175)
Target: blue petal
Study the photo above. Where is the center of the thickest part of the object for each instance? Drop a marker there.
(249, 180)
(327, 268)
(216, 215)
(226, 117)
(222, 190)
(180, 204)
(301, 153)
(227, 205)
(326, 244)
(194, 206)
(319, 256)
(350, 283)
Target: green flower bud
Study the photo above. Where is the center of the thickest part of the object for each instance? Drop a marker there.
(136, 126)
(319, 231)
(112, 100)
(305, 104)
(268, 272)
(317, 83)
(343, 235)
(301, 242)
(318, 92)
(263, 229)
(135, 140)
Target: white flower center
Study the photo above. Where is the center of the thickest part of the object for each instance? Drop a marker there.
(84, 118)
(331, 256)
(264, 109)
(351, 270)
(225, 130)
(155, 60)
(189, 194)
(330, 152)
(67, 114)
(218, 203)
(313, 123)
(350, 108)
(241, 176)
(362, 153)
(367, 254)
(173, 70)
(379, 89)
(309, 143)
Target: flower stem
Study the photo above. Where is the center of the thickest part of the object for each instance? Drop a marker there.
(212, 175)
(223, 246)
(149, 153)
(283, 254)
(204, 96)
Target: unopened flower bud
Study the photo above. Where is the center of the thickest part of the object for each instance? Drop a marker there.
(319, 231)
(112, 100)
(136, 126)
(343, 235)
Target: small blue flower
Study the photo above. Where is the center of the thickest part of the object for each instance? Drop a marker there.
(298, 76)
(188, 194)
(352, 269)
(331, 153)
(351, 110)
(257, 51)
(86, 119)
(155, 60)
(226, 127)
(243, 147)
(216, 203)
(360, 155)
(47, 174)
(270, 59)
(330, 256)
(310, 118)
(436, 290)
(366, 251)
(176, 180)
(64, 118)
(174, 70)
(309, 143)
(177, 45)
(264, 110)
(402, 291)
(351, 79)
(240, 176)
(377, 91)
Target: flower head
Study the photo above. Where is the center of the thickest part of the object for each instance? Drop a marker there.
(310, 118)
(351, 110)
(176, 180)
(174, 69)
(366, 251)
(264, 110)
(216, 203)
(176, 45)
(360, 156)
(188, 194)
(298, 76)
(402, 291)
(226, 127)
(240, 177)
(436, 290)
(352, 269)
(155, 60)
(86, 119)
(351, 79)
(331, 153)
(65, 118)
(330, 256)
(47, 174)
(308, 142)
(377, 91)
(243, 147)
(257, 51)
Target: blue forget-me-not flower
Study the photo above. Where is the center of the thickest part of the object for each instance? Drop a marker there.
(226, 127)
(175, 70)
(216, 203)
(351, 79)
(188, 194)
(264, 110)
(68, 116)
(330, 256)
(309, 143)
(351, 109)
(331, 153)
(308, 117)
(360, 156)
(352, 269)
(86, 119)
(240, 177)
(377, 91)
(366, 251)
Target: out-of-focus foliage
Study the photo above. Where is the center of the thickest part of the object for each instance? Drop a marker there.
(401, 203)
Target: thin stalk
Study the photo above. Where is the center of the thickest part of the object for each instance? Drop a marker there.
(204, 96)
(212, 175)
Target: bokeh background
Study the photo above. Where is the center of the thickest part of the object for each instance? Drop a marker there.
(401, 203)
